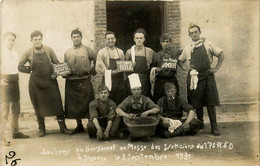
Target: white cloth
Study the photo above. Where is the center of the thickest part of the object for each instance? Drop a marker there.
(9, 61)
(174, 124)
(133, 53)
(153, 79)
(194, 79)
(108, 79)
(134, 81)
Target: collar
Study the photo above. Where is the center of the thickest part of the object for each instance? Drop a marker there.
(38, 48)
(141, 101)
(197, 43)
(75, 47)
(111, 48)
(102, 102)
(139, 48)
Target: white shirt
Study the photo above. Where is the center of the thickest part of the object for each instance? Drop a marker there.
(9, 61)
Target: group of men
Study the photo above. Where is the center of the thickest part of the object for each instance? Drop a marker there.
(150, 89)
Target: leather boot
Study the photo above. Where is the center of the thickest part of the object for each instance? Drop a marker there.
(213, 120)
(63, 127)
(41, 125)
(79, 127)
(178, 132)
(199, 112)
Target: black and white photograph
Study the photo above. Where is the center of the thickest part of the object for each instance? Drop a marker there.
(129, 82)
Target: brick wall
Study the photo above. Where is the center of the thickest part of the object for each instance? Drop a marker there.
(101, 23)
(173, 20)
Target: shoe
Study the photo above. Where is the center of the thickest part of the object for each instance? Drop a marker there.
(41, 133)
(215, 131)
(63, 127)
(66, 131)
(120, 135)
(78, 129)
(20, 135)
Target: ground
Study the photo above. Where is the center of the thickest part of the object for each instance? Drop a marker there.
(238, 144)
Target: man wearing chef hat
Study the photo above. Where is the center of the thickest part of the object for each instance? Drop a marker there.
(136, 103)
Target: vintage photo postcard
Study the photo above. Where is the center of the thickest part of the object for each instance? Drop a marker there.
(129, 82)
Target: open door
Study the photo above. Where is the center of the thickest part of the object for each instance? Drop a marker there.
(125, 17)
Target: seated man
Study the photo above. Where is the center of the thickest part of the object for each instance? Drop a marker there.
(171, 122)
(102, 112)
(136, 103)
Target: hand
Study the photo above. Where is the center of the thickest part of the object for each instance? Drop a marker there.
(144, 114)
(158, 70)
(54, 76)
(116, 71)
(99, 134)
(106, 134)
(134, 64)
(130, 116)
(4, 82)
(165, 122)
(213, 70)
(186, 127)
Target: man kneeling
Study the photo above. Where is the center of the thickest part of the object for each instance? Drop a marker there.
(171, 122)
(135, 104)
(102, 112)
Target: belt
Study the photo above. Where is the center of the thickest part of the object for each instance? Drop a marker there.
(79, 75)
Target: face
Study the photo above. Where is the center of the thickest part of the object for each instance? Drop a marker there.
(136, 92)
(139, 39)
(110, 40)
(194, 33)
(170, 93)
(9, 41)
(37, 41)
(103, 95)
(76, 38)
(166, 44)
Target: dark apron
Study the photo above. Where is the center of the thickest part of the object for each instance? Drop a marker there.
(162, 78)
(206, 93)
(118, 91)
(144, 74)
(78, 94)
(44, 92)
(11, 91)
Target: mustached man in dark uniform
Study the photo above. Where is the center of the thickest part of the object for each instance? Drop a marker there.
(202, 89)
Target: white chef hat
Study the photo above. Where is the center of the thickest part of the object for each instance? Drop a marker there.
(134, 81)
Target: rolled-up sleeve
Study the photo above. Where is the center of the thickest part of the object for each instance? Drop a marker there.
(214, 50)
(150, 104)
(93, 110)
(125, 104)
(100, 65)
(23, 60)
(185, 106)
(111, 111)
(185, 55)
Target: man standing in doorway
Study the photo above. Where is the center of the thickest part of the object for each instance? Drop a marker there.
(202, 89)
(78, 88)
(142, 59)
(165, 66)
(107, 60)
(10, 88)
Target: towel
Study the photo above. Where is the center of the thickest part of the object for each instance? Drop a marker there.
(133, 53)
(194, 79)
(174, 124)
(108, 79)
(152, 79)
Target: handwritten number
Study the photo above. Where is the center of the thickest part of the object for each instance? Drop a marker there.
(11, 155)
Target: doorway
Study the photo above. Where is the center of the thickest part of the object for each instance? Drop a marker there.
(125, 17)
